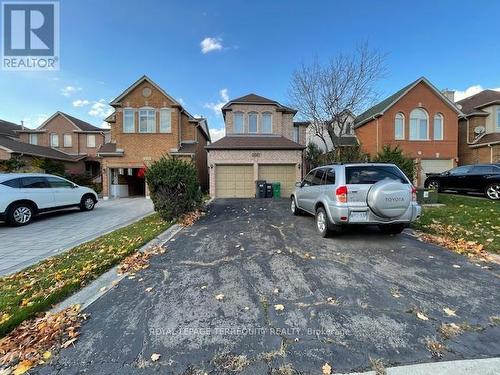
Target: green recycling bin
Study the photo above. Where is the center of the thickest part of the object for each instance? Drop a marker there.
(276, 190)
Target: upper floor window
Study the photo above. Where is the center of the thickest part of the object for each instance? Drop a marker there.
(147, 121)
(33, 139)
(438, 127)
(91, 140)
(54, 140)
(165, 120)
(128, 121)
(267, 122)
(67, 140)
(238, 122)
(348, 129)
(399, 126)
(252, 122)
(419, 125)
(296, 134)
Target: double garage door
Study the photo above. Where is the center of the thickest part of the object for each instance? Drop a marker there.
(237, 181)
(434, 166)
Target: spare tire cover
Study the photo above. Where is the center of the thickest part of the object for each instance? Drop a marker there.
(389, 198)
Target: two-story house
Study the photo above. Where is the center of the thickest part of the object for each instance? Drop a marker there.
(318, 134)
(147, 124)
(479, 129)
(421, 120)
(70, 136)
(261, 143)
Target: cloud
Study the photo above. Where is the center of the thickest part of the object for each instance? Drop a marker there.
(80, 103)
(70, 90)
(181, 101)
(211, 44)
(35, 120)
(472, 90)
(100, 109)
(217, 107)
(216, 134)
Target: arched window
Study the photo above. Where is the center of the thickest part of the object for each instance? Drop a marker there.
(399, 126)
(419, 125)
(252, 122)
(267, 122)
(238, 123)
(438, 127)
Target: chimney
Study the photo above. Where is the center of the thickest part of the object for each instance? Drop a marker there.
(450, 94)
(22, 124)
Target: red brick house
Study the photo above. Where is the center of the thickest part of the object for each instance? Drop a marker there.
(418, 118)
(479, 129)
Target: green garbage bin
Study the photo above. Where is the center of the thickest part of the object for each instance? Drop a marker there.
(276, 190)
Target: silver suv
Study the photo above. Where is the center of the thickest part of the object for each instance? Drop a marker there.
(361, 193)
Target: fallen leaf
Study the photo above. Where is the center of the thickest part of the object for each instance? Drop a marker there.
(149, 289)
(276, 291)
(422, 316)
(219, 297)
(69, 342)
(279, 307)
(203, 287)
(155, 357)
(450, 312)
(102, 289)
(47, 355)
(326, 369)
(22, 367)
(456, 266)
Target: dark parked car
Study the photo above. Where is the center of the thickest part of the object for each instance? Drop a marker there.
(478, 178)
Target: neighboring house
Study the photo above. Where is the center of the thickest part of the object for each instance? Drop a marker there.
(9, 129)
(261, 143)
(147, 124)
(320, 137)
(479, 129)
(71, 136)
(418, 118)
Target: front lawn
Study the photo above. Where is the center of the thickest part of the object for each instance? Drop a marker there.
(38, 287)
(464, 218)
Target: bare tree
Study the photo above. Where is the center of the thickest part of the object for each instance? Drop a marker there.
(326, 94)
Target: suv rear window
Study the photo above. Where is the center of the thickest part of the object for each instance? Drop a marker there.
(371, 174)
(14, 183)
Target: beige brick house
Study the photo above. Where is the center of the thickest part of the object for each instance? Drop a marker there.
(147, 124)
(262, 143)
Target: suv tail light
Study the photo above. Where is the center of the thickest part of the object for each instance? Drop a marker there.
(341, 194)
(413, 193)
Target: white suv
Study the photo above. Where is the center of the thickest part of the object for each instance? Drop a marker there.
(24, 195)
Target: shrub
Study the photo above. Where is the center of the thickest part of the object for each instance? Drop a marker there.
(173, 186)
(50, 166)
(12, 165)
(345, 154)
(395, 155)
(313, 155)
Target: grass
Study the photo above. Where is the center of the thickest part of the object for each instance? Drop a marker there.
(464, 217)
(37, 288)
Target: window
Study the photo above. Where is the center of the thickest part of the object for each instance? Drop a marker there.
(438, 127)
(308, 179)
(128, 121)
(34, 182)
(165, 120)
(55, 182)
(296, 134)
(67, 140)
(419, 125)
(238, 122)
(91, 140)
(14, 183)
(33, 139)
(330, 177)
(267, 122)
(252, 122)
(318, 176)
(54, 140)
(399, 126)
(483, 169)
(373, 174)
(458, 171)
(147, 121)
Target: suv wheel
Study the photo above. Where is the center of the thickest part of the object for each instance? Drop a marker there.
(293, 207)
(391, 228)
(87, 203)
(20, 214)
(433, 185)
(493, 191)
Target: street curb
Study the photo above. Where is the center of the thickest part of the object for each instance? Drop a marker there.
(104, 283)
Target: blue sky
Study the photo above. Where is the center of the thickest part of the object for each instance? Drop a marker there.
(255, 46)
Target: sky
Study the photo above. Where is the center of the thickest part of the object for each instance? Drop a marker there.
(204, 53)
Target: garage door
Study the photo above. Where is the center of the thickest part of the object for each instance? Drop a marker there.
(434, 166)
(234, 181)
(282, 173)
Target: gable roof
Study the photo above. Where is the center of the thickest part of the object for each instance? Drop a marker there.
(472, 104)
(256, 99)
(18, 147)
(380, 108)
(9, 129)
(203, 124)
(79, 124)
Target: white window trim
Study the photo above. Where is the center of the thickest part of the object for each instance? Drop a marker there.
(419, 139)
(133, 120)
(402, 116)
(262, 117)
(95, 139)
(139, 120)
(169, 111)
(256, 122)
(242, 122)
(440, 115)
(51, 140)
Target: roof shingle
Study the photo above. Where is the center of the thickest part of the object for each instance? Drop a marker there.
(9, 129)
(474, 102)
(35, 150)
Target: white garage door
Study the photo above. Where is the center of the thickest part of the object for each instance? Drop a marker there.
(234, 181)
(434, 166)
(282, 173)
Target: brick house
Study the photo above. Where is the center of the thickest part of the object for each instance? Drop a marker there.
(262, 143)
(70, 136)
(479, 128)
(148, 123)
(421, 120)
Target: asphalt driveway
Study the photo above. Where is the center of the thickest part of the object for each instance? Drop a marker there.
(52, 233)
(345, 300)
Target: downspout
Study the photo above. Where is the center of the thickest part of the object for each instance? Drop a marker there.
(179, 124)
(491, 153)
(377, 137)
